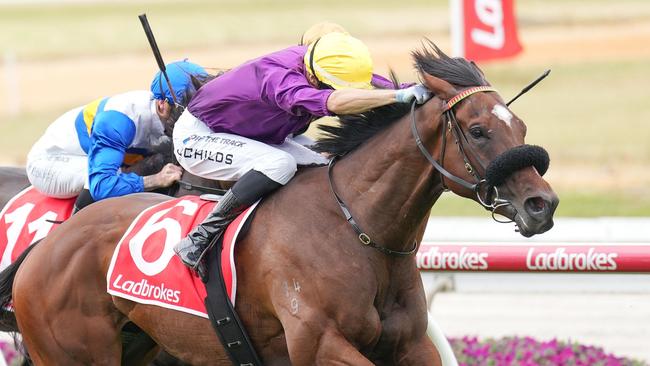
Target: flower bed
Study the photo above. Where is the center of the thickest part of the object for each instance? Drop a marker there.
(8, 351)
(515, 351)
(510, 351)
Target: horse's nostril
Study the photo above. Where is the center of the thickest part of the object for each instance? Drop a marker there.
(535, 205)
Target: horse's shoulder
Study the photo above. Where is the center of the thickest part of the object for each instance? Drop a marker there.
(307, 179)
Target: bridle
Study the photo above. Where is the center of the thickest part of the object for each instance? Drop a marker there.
(453, 125)
(491, 201)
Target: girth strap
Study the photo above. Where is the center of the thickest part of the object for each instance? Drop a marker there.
(222, 314)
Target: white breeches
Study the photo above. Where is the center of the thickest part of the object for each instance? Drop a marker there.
(224, 156)
(56, 164)
(58, 175)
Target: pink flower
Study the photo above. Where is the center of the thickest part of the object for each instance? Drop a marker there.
(527, 351)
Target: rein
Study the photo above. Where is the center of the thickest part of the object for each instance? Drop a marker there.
(491, 201)
(195, 187)
(475, 187)
(363, 237)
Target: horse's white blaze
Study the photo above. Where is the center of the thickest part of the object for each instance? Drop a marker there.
(502, 113)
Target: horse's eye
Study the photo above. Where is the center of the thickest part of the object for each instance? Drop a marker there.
(476, 132)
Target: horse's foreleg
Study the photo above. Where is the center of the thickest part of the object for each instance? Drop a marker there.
(330, 348)
(334, 349)
(423, 353)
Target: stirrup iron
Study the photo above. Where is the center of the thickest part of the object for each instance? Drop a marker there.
(195, 267)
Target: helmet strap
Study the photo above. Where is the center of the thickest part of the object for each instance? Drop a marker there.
(321, 84)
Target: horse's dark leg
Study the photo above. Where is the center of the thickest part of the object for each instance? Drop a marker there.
(165, 359)
(420, 354)
(137, 347)
(201, 348)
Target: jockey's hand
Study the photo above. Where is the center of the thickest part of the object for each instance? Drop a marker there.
(169, 174)
(418, 92)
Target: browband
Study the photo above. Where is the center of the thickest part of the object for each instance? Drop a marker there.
(466, 93)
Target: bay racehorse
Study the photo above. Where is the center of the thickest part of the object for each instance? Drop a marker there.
(311, 289)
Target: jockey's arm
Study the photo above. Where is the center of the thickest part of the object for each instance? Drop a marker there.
(353, 101)
(112, 134)
(169, 174)
(381, 82)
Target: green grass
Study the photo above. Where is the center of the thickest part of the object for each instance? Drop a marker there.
(582, 117)
(587, 113)
(42, 31)
(48, 30)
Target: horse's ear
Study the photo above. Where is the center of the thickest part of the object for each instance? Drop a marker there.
(439, 87)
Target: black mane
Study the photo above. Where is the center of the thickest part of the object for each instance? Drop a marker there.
(354, 130)
(454, 70)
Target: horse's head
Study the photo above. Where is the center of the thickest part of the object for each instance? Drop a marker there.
(483, 152)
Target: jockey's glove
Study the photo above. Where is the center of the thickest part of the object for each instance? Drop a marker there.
(418, 92)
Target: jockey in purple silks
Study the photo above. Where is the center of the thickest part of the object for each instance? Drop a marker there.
(241, 125)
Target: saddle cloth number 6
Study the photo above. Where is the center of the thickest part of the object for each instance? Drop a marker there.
(173, 234)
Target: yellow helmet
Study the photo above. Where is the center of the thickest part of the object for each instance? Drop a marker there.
(318, 30)
(340, 61)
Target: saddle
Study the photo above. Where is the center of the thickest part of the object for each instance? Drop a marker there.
(30, 216)
(145, 269)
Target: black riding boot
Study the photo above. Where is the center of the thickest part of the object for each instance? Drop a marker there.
(248, 189)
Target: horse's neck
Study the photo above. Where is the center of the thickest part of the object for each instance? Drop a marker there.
(388, 184)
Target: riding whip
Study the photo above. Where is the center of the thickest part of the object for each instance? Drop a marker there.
(530, 86)
(156, 53)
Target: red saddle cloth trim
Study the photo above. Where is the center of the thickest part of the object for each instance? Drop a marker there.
(145, 269)
(27, 218)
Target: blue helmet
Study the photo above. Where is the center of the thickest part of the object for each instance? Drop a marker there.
(179, 76)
